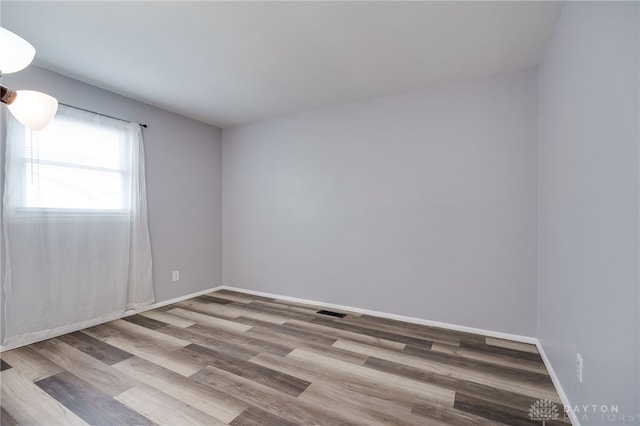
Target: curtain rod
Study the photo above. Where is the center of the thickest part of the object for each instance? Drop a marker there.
(104, 115)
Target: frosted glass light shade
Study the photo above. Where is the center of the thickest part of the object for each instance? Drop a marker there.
(33, 109)
(15, 52)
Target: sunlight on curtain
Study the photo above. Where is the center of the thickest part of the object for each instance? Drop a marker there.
(77, 248)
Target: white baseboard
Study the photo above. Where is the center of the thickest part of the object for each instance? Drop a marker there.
(86, 324)
(176, 300)
(556, 383)
(455, 327)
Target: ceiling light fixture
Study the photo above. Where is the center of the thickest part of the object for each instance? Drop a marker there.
(33, 109)
(17, 53)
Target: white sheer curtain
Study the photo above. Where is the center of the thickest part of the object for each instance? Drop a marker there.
(77, 249)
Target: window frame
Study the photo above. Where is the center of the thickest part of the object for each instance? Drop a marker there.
(125, 173)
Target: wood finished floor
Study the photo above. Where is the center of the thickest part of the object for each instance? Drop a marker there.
(232, 358)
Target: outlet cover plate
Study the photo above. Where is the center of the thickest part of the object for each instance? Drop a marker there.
(579, 366)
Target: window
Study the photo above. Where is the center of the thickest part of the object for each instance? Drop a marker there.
(76, 165)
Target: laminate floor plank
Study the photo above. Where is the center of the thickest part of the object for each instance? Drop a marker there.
(268, 317)
(27, 404)
(151, 345)
(301, 343)
(96, 348)
(158, 348)
(163, 308)
(100, 375)
(518, 354)
(236, 344)
(146, 335)
(511, 383)
(214, 310)
(510, 344)
(232, 296)
(254, 416)
(499, 412)
(7, 419)
(307, 335)
(350, 386)
(225, 346)
(233, 358)
(402, 370)
(507, 372)
(494, 358)
(288, 307)
(451, 416)
(230, 311)
(429, 334)
(213, 402)
(280, 311)
(145, 322)
(101, 332)
(168, 318)
(162, 409)
(170, 359)
(208, 320)
(395, 384)
(274, 379)
(313, 337)
(316, 308)
(257, 395)
(374, 332)
(363, 409)
(254, 322)
(336, 333)
(30, 363)
(209, 298)
(88, 402)
(421, 330)
(482, 391)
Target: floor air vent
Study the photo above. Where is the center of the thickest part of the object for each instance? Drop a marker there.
(332, 314)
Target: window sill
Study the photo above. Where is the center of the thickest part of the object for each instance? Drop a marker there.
(30, 215)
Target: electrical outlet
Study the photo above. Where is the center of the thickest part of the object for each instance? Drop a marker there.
(579, 366)
(176, 276)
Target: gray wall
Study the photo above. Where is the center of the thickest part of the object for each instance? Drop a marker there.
(184, 181)
(588, 299)
(421, 204)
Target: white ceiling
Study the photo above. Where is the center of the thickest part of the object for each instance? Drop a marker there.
(228, 63)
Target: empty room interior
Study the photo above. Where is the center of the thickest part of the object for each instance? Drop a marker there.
(320, 213)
